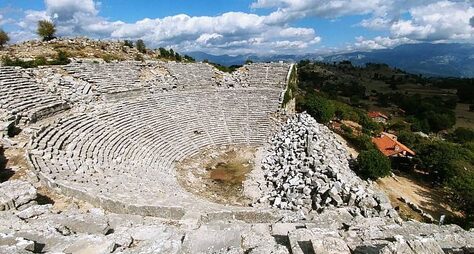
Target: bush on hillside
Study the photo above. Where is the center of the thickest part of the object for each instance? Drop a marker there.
(462, 184)
(319, 107)
(360, 142)
(60, 59)
(141, 47)
(373, 164)
(441, 158)
(139, 57)
(462, 135)
(128, 43)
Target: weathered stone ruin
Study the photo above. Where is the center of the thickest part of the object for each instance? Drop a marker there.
(308, 169)
(105, 139)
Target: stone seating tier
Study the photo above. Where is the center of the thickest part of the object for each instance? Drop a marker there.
(122, 156)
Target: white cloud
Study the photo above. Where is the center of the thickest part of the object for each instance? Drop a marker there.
(67, 9)
(378, 42)
(229, 32)
(376, 23)
(439, 21)
(240, 32)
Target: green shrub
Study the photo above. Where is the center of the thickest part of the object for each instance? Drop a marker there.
(291, 88)
(60, 59)
(373, 164)
(462, 135)
(41, 60)
(189, 59)
(441, 158)
(139, 57)
(462, 184)
(319, 107)
(128, 43)
(346, 112)
(361, 142)
(346, 129)
(287, 96)
(141, 46)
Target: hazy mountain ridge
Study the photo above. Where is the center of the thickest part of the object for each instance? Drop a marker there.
(444, 59)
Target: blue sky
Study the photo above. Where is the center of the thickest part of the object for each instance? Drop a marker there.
(249, 26)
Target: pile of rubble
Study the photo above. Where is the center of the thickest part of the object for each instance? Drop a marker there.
(307, 169)
(28, 225)
(66, 86)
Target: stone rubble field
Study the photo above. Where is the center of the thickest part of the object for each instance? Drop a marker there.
(29, 227)
(308, 169)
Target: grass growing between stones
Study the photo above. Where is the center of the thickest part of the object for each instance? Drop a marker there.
(218, 174)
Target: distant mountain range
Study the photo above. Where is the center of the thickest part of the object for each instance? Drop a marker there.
(444, 59)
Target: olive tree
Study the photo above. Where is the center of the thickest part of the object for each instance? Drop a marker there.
(141, 46)
(46, 30)
(3, 38)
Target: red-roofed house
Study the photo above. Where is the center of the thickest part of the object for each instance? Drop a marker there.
(378, 116)
(390, 147)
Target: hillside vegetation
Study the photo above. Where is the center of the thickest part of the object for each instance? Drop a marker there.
(88, 48)
(422, 115)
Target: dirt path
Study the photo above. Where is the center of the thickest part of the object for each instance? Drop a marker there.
(431, 200)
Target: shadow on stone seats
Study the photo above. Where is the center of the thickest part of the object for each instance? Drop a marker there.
(5, 173)
(369, 249)
(283, 240)
(44, 200)
(306, 247)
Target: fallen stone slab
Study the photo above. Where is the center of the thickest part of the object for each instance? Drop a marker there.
(91, 245)
(15, 193)
(34, 211)
(205, 240)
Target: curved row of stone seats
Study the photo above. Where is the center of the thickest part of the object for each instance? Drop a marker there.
(24, 99)
(108, 77)
(122, 157)
(255, 75)
(262, 75)
(193, 75)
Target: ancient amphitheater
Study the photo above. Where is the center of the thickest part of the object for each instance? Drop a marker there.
(124, 151)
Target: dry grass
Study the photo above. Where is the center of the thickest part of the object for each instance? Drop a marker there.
(431, 200)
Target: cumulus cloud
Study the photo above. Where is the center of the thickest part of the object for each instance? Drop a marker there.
(231, 32)
(240, 32)
(429, 20)
(66, 10)
(378, 42)
(443, 20)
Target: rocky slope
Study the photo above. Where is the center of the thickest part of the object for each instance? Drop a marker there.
(308, 169)
(76, 48)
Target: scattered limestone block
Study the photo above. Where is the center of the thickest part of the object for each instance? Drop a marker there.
(206, 240)
(34, 211)
(15, 193)
(85, 223)
(91, 245)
